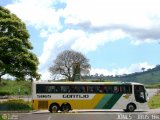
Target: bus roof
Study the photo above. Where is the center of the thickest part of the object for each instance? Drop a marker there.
(88, 83)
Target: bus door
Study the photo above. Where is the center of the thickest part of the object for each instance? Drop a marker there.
(140, 93)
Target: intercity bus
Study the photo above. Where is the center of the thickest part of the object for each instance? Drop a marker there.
(65, 96)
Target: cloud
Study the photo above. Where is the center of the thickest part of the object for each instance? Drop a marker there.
(120, 71)
(58, 42)
(137, 18)
(90, 42)
(38, 13)
(85, 25)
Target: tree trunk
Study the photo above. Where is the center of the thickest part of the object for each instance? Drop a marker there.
(0, 79)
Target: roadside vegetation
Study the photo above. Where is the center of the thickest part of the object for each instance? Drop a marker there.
(153, 102)
(152, 86)
(13, 87)
(15, 105)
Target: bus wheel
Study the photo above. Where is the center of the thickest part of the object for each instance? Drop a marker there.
(54, 108)
(131, 107)
(65, 107)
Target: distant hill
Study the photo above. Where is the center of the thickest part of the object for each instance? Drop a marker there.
(150, 76)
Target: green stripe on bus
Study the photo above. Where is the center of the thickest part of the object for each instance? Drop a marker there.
(112, 101)
(103, 101)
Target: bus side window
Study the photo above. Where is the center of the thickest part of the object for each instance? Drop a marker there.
(63, 89)
(51, 89)
(116, 89)
(90, 89)
(71, 89)
(105, 89)
(101, 89)
(85, 89)
(123, 89)
(96, 89)
(81, 89)
(110, 89)
(126, 89)
(57, 89)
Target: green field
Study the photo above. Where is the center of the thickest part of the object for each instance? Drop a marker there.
(12, 87)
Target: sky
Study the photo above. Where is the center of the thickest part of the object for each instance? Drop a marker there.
(117, 36)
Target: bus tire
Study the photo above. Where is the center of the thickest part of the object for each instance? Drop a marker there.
(131, 107)
(65, 107)
(54, 107)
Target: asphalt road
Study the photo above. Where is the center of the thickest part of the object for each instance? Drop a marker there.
(84, 115)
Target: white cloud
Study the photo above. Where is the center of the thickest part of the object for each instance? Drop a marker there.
(133, 12)
(45, 75)
(91, 42)
(88, 24)
(134, 17)
(139, 42)
(38, 13)
(126, 70)
(101, 12)
(57, 42)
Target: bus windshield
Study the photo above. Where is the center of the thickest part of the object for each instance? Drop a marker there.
(140, 93)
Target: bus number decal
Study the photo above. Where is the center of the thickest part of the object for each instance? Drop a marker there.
(43, 96)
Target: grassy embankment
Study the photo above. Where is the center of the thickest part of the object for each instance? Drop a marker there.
(15, 88)
(12, 87)
(152, 86)
(154, 102)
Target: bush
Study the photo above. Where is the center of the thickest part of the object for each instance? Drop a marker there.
(15, 105)
(3, 93)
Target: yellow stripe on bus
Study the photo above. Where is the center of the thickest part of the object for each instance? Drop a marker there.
(75, 104)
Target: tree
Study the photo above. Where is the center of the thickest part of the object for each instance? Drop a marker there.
(143, 69)
(63, 64)
(16, 58)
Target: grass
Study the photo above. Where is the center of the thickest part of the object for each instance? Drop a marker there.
(154, 102)
(12, 87)
(1, 117)
(153, 86)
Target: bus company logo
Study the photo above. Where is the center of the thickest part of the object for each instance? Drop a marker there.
(4, 116)
(43, 96)
(75, 96)
(9, 117)
(126, 96)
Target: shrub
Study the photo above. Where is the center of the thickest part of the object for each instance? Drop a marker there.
(15, 105)
(3, 93)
